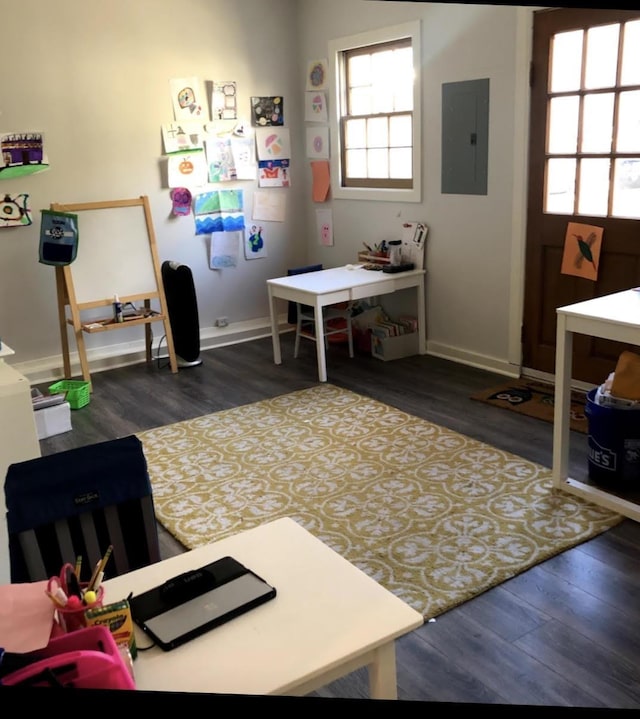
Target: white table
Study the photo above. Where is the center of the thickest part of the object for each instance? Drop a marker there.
(613, 317)
(341, 284)
(327, 619)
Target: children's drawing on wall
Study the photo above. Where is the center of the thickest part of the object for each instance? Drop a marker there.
(324, 227)
(187, 169)
(318, 142)
(582, 244)
(273, 144)
(321, 180)
(243, 149)
(274, 173)
(267, 111)
(269, 206)
(181, 136)
(315, 107)
(219, 211)
(187, 98)
(224, 100)
(181, 201)
(22, 153)
(254, 246)
(223, 250)
(220, 159)
(15, 210)
(317, 75)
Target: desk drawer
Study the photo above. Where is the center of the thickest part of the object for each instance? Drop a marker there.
(373, 290)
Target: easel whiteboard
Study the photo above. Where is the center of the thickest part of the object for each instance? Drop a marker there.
(114, 255)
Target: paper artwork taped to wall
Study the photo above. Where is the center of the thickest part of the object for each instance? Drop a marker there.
(267, 111)
(181, 201)
(220, 160)
(22, 153)
(274, 173)
(223, 250)
(269, 206)
(324, 225)
(273, 143)
(582, 244)
(187, 169)
(317, 78)
(315, 107)
(243, 150)
(224, 100)
(254, 245)
(318, 142)
(219, 211)
(181, 136)
(187, 98)
(15, 210)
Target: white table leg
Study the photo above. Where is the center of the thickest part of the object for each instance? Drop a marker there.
(275, 335)
(562, 402)
(382, 673)
(422, 317)
(322, 358)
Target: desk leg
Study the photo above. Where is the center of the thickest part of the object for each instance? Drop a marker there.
(320, 350)
(275, 335)
(422, 318)
(562, 402)
(382, 673)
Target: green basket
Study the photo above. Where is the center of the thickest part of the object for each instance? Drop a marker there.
(77, 392)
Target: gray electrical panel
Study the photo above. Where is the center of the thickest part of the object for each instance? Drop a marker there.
(465, 137)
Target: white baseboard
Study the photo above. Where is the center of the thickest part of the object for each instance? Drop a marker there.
(490, 364)
(50, 369)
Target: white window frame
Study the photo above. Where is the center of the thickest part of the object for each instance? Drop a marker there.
(374, 37)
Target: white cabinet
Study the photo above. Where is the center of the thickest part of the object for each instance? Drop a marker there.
(19, 440)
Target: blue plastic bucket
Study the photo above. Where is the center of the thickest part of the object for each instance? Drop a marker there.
(614, 444)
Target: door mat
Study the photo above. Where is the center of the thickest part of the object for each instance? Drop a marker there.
(535, 399)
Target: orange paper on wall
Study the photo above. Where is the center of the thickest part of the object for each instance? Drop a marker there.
(582, 245)
(321, 181)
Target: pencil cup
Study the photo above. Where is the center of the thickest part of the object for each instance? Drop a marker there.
(72, 618)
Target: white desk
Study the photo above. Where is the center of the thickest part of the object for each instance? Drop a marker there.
(327, 619)
(613, 317)
(327, 287)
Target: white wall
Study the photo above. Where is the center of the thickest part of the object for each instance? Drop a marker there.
(94, 78)
(475, 243)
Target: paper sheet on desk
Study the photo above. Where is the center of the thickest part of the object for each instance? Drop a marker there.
(26, 618)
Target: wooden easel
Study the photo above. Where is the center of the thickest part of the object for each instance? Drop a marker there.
(112, 259)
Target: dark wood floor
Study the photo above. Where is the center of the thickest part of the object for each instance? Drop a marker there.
(564, 633)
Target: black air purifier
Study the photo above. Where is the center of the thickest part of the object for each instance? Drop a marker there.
(180, 293)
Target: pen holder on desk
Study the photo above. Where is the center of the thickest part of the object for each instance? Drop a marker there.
(71, 619)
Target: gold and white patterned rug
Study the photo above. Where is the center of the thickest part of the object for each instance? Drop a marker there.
(432, 515)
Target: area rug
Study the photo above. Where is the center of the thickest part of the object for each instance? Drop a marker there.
(535, 399)
(432, 515)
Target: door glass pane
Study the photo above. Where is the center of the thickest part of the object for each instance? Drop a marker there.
(561, 186)
(602, 56)
(400, 131)
(378, 132)
(378, 163)
(400, 163)
(594, 187)
(626, 188)
(563, 124)
(631, 54)
(356, 163)
(356, 133)
(629, 122)
(597, 123)
(566, 61)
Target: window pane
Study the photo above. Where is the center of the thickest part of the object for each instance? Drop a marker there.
(360, 101)
(597, 123)
(359, 70)
(563, 124)
(561, 186)
(378, 132)
(626, 188)
(400, 131)
(566, 61)
(356, 163)
(378, 163)
(356, 133)
(594, 187)
(631, 54)
(629, 122)
(602, 56)
(400, 164)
